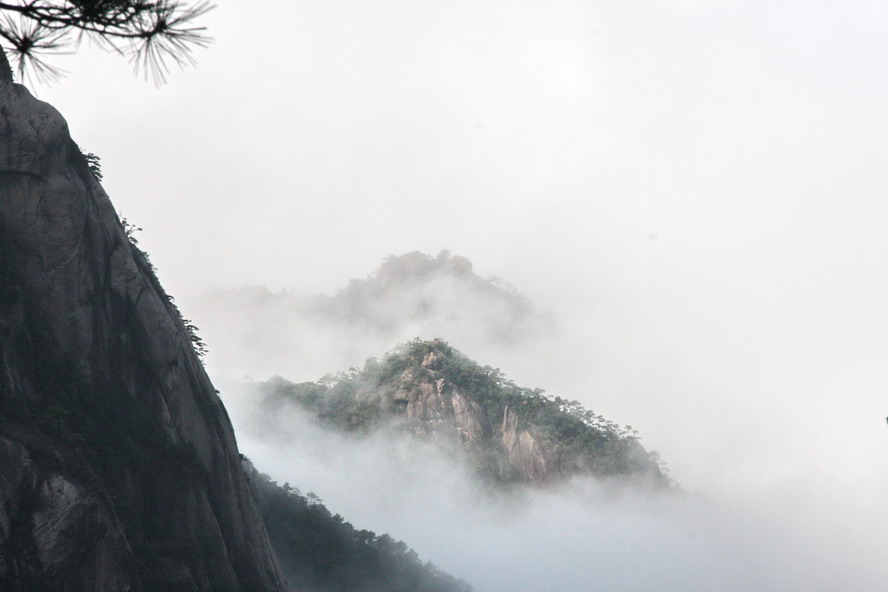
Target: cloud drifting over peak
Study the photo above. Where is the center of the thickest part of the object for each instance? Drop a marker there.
(260, 334)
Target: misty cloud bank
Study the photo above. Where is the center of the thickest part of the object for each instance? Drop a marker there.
(584, 535)
(771, 499)
(259, 333)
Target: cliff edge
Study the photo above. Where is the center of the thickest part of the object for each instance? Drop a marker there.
(120, 467)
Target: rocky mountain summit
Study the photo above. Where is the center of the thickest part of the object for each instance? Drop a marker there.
(509, 433)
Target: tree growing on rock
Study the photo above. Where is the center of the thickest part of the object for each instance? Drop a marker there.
(151, 33)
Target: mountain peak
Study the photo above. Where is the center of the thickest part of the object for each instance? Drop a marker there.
(408, 295)
(416, 264)
(509, 433)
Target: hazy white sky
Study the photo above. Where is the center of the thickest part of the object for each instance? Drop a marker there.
(696, 189)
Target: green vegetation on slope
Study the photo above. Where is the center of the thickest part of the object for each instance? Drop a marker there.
(582, 441)
(319, 551)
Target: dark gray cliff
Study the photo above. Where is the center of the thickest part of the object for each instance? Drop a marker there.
(120, 469)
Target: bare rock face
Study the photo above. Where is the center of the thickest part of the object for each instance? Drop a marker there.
(531, 458)
(433, 406)
(57, 534)
(120, 467)
(437, 407)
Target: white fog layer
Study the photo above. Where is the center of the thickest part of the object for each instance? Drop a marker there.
(585, 535)
(693, 193)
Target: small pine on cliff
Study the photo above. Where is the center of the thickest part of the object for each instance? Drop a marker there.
(510, 433)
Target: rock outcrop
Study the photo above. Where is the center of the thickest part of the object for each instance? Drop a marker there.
(435, 406)
(525, 450)
(509, 433)
(120, 467)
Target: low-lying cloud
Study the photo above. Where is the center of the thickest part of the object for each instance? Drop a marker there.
(779, 464)
(583, 535)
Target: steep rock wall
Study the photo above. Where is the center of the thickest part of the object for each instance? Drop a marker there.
(510, 434)
(526, 452)
(433, 406)
(120, 467)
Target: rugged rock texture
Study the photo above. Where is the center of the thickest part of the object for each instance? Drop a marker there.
(434, 406)
(56, 533)
(525, 450)
(120, 467)
(509, 433)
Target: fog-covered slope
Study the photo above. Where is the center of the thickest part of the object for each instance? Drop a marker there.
(509, 433)
(320, 551)
(260, 333)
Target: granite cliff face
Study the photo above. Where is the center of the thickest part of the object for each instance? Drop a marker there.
(509, 433)
(120, 467)
(433, 406)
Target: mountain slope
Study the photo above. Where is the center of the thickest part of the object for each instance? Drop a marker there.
(320, 551)
(120, 467)
(510, 433)
(259, 333)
